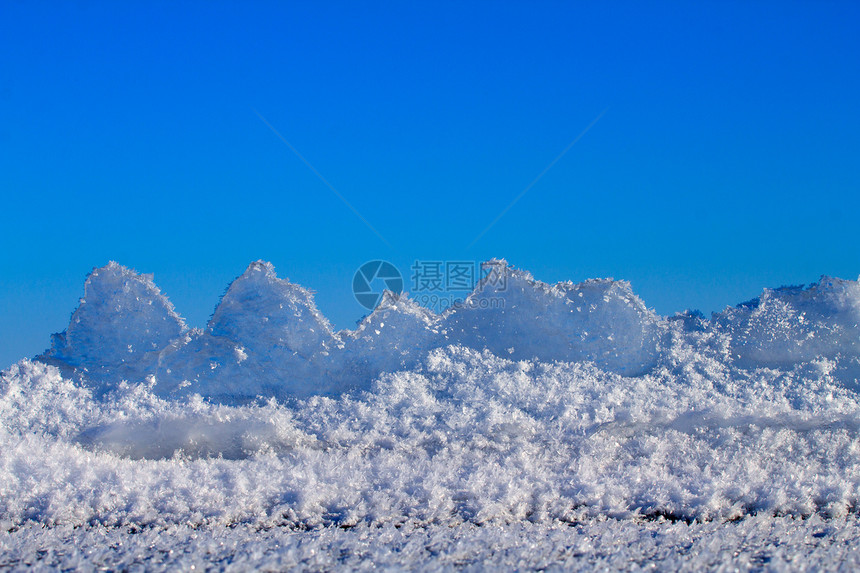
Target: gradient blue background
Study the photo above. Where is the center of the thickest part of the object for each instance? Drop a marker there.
(727, 160)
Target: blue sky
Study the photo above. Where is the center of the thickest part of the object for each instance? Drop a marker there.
(726, 160)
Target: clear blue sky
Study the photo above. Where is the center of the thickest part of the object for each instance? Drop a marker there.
(726, 161)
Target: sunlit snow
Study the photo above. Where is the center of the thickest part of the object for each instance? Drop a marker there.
(566, 406)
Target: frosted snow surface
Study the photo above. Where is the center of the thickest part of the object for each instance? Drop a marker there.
(753, 544)
(560, 405)
(122, 322)
(266, 336)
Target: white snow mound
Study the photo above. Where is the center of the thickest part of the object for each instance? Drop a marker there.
(542, 403)
(266, 336)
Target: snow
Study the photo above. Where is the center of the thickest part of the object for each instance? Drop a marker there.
(542, 427)
(266, 336)
(791, 325)
(755, 543)
(122, 321)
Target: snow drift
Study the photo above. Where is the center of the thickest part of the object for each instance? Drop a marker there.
(266, 336)
(567, 401)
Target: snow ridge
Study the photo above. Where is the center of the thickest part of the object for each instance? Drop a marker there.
(568, 402)
(267, 338)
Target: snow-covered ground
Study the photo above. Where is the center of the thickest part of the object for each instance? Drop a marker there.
(755, 543)
(567, 426)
